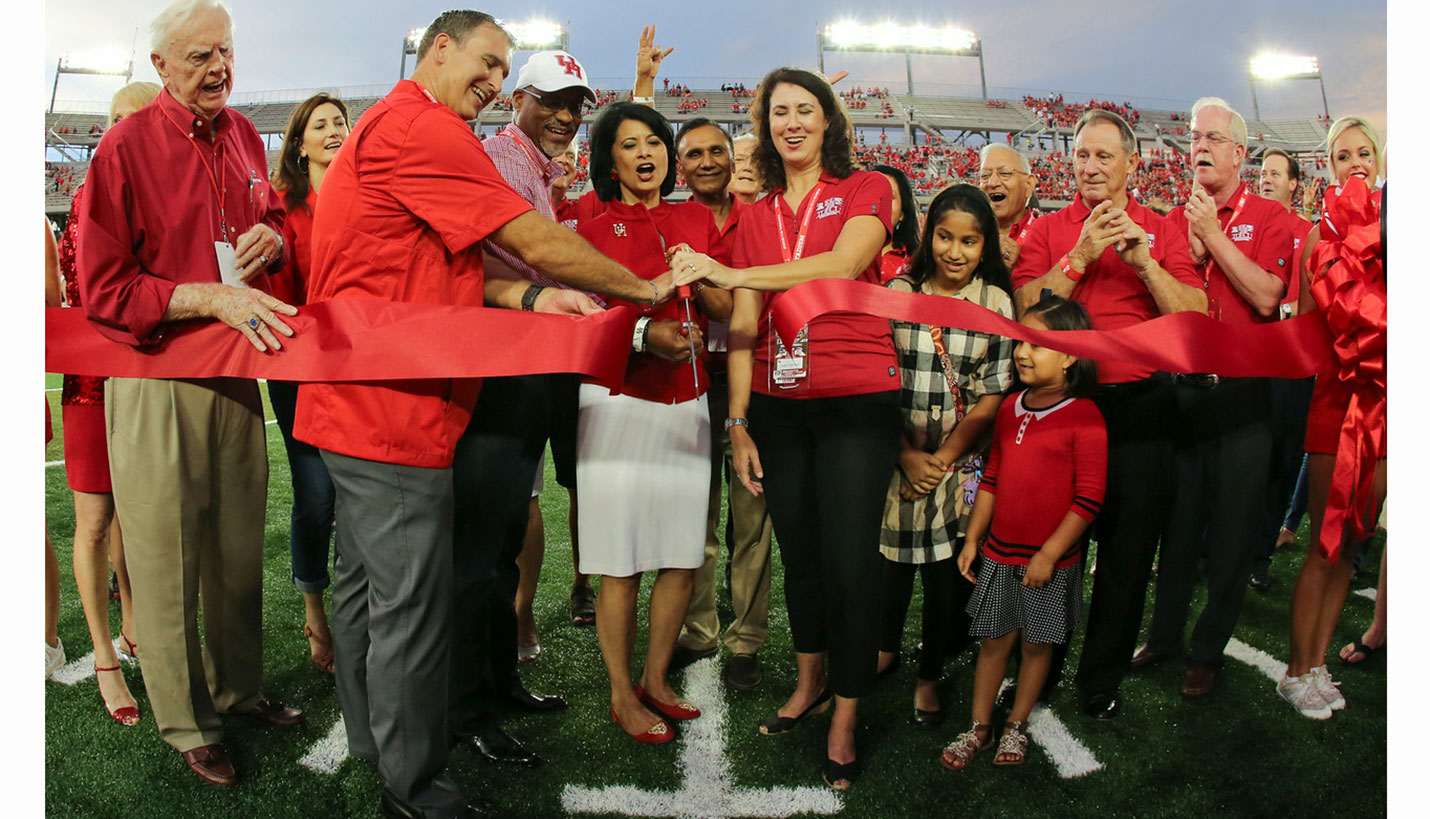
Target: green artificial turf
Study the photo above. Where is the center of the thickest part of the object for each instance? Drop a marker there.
(1240, 751)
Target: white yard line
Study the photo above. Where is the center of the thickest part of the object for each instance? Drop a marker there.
(1069, 755)
(328, 753)
(49, 464)
(1273, 668)
(708, 789)
(78, 670)
(274, 421)
(1368, 594)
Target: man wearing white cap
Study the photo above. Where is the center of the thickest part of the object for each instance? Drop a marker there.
(498, 455)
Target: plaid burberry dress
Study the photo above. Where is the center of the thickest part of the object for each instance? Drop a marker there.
(924, 530)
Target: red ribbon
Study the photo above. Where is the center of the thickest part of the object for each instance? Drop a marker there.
(1349, 289)
(361, 340)
(1181, 342)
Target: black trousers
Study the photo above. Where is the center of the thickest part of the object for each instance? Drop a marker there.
(1290, 404)
(827, 463)
(492, 476)
(945, 623)
(1134, 515)
(1223, 453)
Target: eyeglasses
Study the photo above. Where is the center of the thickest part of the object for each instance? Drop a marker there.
(1214, 137)
(1003, 173)
(579, 108)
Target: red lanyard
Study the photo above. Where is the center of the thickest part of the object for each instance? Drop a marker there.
(1023, 234)
(1240, 203)
(220, 189)
(813, 199)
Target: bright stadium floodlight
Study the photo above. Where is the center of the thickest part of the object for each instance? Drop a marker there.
(109, 62)
(952, 41)
(537, 35)
(409, 46)
(1285, 67)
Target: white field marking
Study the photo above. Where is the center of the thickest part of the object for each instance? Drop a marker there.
(53, 389)
(1256, 658)
(60, 462)
(1368, 594)
(707, 790)
(274, 421)
(79, 670)
(329, 752)
(1069, 756)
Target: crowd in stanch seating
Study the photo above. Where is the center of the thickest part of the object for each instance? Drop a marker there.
(737, 89)
(691, 105)
(997, 103)
(1053, 111)
(60, 178)
(95, 129)
(858, 93)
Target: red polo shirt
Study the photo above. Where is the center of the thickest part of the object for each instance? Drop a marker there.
(404, 206)
(1262, 233)
(1300, 228)
(291, 283)
(1110, 289)
(637, 236)
(848, 354)
(1019, 231)
(151, 212)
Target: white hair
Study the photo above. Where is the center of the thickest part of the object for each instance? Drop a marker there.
(743, 138)
(161, 31)
(988, 148)
(1238, 123)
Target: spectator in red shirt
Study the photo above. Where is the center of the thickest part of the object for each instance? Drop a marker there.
(1125, 265)
(414, 176)
(1243, 246)
(163, 243)
(904, 239)
(1003, 175)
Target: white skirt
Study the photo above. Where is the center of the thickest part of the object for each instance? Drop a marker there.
(642, 483)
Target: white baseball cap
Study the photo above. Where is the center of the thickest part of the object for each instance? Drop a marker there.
(553, 71)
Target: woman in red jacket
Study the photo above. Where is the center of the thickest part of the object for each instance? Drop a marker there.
(643, 450)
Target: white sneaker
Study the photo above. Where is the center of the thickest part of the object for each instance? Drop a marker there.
(54, 658)
(1302, 694)
(1325, 686)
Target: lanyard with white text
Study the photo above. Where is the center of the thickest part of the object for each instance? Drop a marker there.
(791, 365)
(220, 189)
(813, 200)
(1236, 212)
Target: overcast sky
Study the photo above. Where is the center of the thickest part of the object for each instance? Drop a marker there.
(1148, 51)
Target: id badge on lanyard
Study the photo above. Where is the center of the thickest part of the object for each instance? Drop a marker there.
(791, 364)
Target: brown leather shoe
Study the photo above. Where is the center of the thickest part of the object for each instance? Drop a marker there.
(1199, 681)
(275, 713)
(212, 765)
(1145, 656)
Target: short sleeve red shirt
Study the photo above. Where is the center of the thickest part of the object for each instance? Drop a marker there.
(1262, 233)
(403, 209)
(637, 236)
(1300, 228)
(848, 354)
(1110, 289)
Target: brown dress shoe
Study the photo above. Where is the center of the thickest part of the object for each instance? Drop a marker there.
(275, 713)
(1199, 681)
(211, 764)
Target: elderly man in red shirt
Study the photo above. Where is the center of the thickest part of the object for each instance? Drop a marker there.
(1242, 245)
(1125, 265)
(1003, 174)
(179, 223)
(404, 209)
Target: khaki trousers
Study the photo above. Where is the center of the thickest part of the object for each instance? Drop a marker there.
(190, 470)
(749, 532)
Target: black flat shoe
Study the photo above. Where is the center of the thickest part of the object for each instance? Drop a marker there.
(497, 745)
(776, 724)
(926, 719)
(1102, 706)
(518, 695)
(835, 773)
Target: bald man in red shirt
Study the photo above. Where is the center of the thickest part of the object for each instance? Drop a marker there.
(1125, 265)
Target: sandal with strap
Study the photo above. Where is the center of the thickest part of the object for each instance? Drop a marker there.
(126, 715)
(1357, 647)
(320, 648)
(128, 651)
(966, 746)
(583, 606)
(1013, 744)
(840, 776)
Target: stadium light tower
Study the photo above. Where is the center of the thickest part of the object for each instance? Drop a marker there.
(849, 35)
(409, 46)
(1284, 67)
(531, 35)
(113, 64)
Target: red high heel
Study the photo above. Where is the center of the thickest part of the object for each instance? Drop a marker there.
(127, 715)
(129, 653)
(654, 735)
(680, 709)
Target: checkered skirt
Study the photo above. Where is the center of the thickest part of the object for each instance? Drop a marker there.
(1000, 603)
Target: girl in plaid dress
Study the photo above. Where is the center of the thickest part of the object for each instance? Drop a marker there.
(953, 383)
(1044, 484)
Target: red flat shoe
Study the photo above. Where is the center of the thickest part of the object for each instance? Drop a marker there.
(127, 715)
(654, 735)
(678, 710)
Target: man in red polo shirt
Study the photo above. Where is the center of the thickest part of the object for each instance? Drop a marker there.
(705, 155)
(404, 209)
(1242, 245)
(1125, 265)
(1003, 175)
(1290, 397)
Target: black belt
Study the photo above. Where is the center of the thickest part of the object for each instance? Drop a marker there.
(1201, 381)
